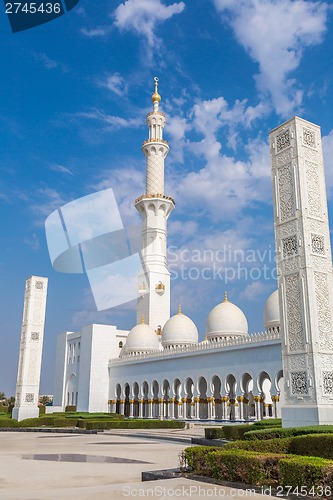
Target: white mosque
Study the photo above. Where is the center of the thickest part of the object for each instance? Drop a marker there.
(159, 369)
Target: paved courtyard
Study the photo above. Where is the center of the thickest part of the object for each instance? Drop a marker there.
(106, 466)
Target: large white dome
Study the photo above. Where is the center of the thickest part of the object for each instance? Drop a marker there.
(179, 330)
(272, 311)
(226, 320)
(142, 338)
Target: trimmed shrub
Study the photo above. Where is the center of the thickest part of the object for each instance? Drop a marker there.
(272, 422)
(47, 422)
(287, 432)
(130, 424)
(8, 422)
(278, 445)
(214, 433)
(315, 445)
(195, 458)
(3, 409)
(70, 408)
(234, 465)
(307, 472)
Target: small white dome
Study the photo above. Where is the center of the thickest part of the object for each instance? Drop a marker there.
(226, 320)
(142, 338)
(179, 330)
(272, 311)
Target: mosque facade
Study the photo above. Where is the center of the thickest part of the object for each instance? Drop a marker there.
(159, 369)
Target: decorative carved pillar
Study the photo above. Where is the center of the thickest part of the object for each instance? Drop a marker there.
(275, 400)
(224, 402)
(122, 407)
(141, 403)
(131, 408)
(210, 401)
(240, 400)
(113, 405)
(184, 405)
(197, 408)
(180, 409)
(161, 408)
(192, 408)
(171, 408)
(150, 408)
(257, 402)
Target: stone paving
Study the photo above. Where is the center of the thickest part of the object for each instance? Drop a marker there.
(36, 466)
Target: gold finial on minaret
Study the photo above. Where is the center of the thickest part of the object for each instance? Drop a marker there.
(143, 319)
(156, 98)
(179, 309)
(226, 297)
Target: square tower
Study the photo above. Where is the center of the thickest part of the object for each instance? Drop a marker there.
(304, 266)
(31, 346)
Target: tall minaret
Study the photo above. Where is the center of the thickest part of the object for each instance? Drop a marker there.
(155, 208)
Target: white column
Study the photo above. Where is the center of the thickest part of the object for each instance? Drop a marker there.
(304, 266)
(131, 411)
(122, 407)
(140, 408)
(171, 408)
(240, 400)
(150, 408)
(113, 405)
(184, 409)
(31, 346)
(257, 402)
(197, 408)
(161, 408)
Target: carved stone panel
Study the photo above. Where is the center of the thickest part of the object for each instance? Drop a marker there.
(283, 140)
(29, 397)
(317, 244)
(309, 137)
(286, 193)
(328, 382)
(294, 313)
(299, 383)
(313, 188)
(324, 314)
(289, 246)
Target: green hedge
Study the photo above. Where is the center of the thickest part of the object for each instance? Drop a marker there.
(307, 472)
(233, 432)
(131, 424)
(277, 432)
(315, 445)
(271, 422)
(3, 409)
(70, 408)
(278, 445)
(8, 422)
(261, 469)
(47, 422)
(234, 465)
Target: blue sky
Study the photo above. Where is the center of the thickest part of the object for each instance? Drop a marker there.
(74, 95)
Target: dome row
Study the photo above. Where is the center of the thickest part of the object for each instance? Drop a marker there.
(225, 320)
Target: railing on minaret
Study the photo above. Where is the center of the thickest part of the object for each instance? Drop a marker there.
(155, 208)
(304, 265)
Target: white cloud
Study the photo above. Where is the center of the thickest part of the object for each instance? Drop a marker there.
(61, 169)
(256, 291)
(274, 33)
(95, 32)
(142, 17)
(110, 121)
(115, 83)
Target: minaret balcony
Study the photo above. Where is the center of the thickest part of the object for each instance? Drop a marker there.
(160, 288)
(157, 195)
(149, 141)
